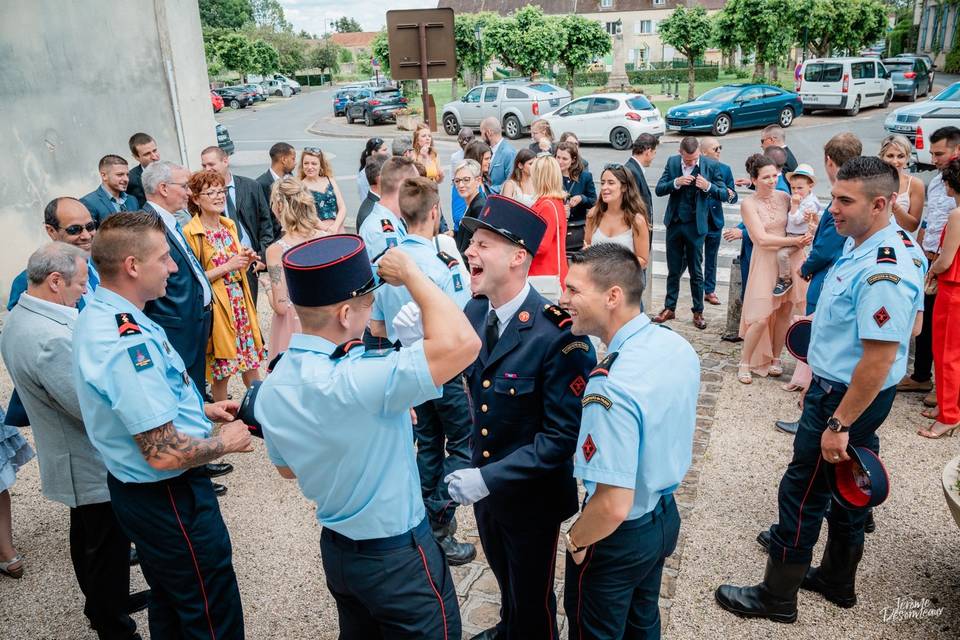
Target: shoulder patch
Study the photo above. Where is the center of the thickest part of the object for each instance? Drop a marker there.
(886, 255)
(583, 346)
(907, 240)
(597, 398)
(880, 277)
(557, 316)
(344, 348)
(918, 262)
(603, 367)
(447, 259)
(126, 326)
(140, 357)
(387, 226)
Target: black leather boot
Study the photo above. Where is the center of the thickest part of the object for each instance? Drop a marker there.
(835, 578)
(775, 598)
(763, 539)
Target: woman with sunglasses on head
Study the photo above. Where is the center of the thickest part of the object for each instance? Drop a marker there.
(236, 344)
(581, 192)
(315, 172)
(551, 257)
(620, 216)
(895, 150)
(374, 147)
(519, 186)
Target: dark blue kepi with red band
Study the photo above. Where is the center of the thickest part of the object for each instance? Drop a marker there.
(328, 270)
(510, 219)
(860, 482)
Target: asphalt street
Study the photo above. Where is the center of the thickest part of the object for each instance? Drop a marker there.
(255, 129)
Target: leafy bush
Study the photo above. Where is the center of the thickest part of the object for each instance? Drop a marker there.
(741, 74)
(952, 63)
(585, 79)
(652, 76)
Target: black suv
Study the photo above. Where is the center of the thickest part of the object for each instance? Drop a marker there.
(375, 105)
(235, 97)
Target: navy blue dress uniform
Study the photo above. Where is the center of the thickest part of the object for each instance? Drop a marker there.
(338, 416)
(525, 393)
(636, 433)
(130, 380)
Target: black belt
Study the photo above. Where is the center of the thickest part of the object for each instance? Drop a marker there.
(829, 386)
(406, 539)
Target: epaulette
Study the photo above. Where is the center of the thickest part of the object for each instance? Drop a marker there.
(387, 226)
(344, 348)
(886, 255)
(127, 326)
(603, 367)
(907, 240)
(447, 259)
(557, 316)
(273, 363)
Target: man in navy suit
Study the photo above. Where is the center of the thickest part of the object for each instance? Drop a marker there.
(111, 196)
(691, 181)
(525, 391)
(643, 151)
(502, 153)
(144, 150)
(710, 147)
(283, 160)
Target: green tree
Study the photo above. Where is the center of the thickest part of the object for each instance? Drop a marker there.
(326, 57)
(236, 53)
(724, 35)
(839, 25)
(269, 13)
(211, 51)
(472, 56)
(525, 40)
(583, 41)
(266, 58)
(225, 14)
(688, 31)
(346, 56)
(345, 24)
(380, 47)
(364, 68)
(765, 29)
(291, 49)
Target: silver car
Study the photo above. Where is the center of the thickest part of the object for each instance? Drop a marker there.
(514, 103)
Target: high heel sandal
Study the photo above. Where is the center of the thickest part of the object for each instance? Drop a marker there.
(5, 567)
(936, 435)
(931, 413)
(743, 374)
(775, 370)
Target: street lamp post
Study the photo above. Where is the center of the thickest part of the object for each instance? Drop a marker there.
(480, 54)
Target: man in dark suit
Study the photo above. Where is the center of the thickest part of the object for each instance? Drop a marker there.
(144, 150)
(247, 207)
(643, 151)
(111, 196)
(775, 136)
(372, 172)
(283, 160)
(691, 181)
(710, 147)
(525, 390)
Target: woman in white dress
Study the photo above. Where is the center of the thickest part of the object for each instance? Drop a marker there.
(908, 207)
(519, 186)
(620, 215)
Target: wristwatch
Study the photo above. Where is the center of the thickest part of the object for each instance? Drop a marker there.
(836, 426)
(572, 548)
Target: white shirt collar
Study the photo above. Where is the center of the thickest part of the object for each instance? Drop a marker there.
(508, 309)
(273, 173)
(56, 311)
(168, 218)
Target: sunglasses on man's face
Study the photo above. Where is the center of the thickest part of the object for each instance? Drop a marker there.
(77, 229)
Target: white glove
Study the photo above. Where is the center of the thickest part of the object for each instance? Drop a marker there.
(408, 325)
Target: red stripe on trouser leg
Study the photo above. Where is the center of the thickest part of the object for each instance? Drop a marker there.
(196, 565)
(806, 494)
(443, 609)
(946, 353)
(550, 578)
(583, 570)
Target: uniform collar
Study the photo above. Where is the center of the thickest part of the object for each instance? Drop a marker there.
(633, 326)
(116, 301)
(510, 307)
(415, 239)
(870, 243)
(306, 342)
(56, 312)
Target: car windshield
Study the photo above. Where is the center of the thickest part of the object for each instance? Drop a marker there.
(639, 102)
(898, 65)
(720, 94)
(950, 93)
(823, 72)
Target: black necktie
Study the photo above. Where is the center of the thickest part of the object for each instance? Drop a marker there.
(231, 207)
(493, 330)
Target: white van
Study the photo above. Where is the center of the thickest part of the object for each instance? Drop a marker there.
(294, 85)
(847, 84)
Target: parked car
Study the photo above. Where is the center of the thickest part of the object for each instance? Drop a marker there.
(259, 93)
(217, 102)
(223, 139)
(926, 58)
(250, 93)
(918, 121)
(735, 106)
(514, 103)
(294, 85)
(277, 88)
(375, 106)
(846, 84)
(614, 118)
(236, 98)
(342, 97)
(911, 77)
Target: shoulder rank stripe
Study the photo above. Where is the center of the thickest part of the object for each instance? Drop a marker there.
(126, 326)
(880, 277)
(907, 241)
(557, 315)
(387, 226)
(886, 254)
(575, 345)
(597, 398)
(918, 262)
(603, 367)
(447, 259)
(344, 348)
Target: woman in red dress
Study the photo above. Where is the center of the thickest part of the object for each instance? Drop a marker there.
(551, 258)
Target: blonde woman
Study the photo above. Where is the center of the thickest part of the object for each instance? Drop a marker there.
(620, 216)
(424, 152)
(315, 172)
(295, 209)
(908, 207)
(551, 257)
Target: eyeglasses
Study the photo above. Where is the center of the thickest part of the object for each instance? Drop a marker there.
(467, 180)
(719, 147)
(313, 150)
(213, 193)
(178, 184)
(77, 229)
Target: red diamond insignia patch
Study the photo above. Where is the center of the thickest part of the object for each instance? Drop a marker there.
(578, 385)
(588, 448)
(881, 316)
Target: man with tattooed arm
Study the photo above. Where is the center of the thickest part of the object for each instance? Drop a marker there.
(147, 419)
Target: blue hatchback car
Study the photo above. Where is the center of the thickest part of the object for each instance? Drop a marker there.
(736, 106)
(342, 98)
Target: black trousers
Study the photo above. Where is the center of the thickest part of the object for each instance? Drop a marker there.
(185, 555)
(197, 370)
(523, 558)
(684, 253)
(804, 494)
(711, 252)
(398, 587)
(100, 552)
(615, 592)
(923, 351)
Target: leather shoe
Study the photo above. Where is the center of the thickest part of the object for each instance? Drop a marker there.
(763, 539)
(909, 384)
(870, 525)
(711, 298)
(457, 553)
(698, 320)
(217, 469)
(487, 634)
(219, 489)
(731, 337)
(138, 601)
(787, 427)
(663, 316)
(134, 558)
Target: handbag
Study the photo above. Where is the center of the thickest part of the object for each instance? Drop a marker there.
(549, 285)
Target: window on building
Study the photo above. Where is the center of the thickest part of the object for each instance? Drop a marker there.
(659, 3)
(606, 4)
(611, 28)
(646, 26)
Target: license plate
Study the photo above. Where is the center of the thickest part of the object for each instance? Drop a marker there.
(651, 118)
(904, 127)
(673, 127)
(810, 99)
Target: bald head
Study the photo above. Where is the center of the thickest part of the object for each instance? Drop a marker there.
(68, 220)
(491, 131)
(710, 147)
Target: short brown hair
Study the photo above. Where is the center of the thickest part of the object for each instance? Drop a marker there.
(138, 139)
(417, 197)
(214, 149)
(842, 147)
(110, 160)
(120, 236)
(199, 181)
(394, 171)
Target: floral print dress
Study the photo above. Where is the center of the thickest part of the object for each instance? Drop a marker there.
(248, 357)
(326, 202)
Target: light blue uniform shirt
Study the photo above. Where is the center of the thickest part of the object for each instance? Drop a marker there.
(637, 427)
(130, 379)
(872, 292)
(343, 427)
(389, 299)
(380, 230)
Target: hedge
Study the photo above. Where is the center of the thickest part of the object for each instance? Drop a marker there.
(584, 79)
(652, 76)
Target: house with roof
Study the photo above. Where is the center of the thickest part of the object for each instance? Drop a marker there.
(358, 43)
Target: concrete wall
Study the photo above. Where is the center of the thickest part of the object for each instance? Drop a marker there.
(78, 78)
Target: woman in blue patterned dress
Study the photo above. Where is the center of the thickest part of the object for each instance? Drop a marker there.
(316, 173)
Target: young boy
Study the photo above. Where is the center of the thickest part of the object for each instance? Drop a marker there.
(802, 219)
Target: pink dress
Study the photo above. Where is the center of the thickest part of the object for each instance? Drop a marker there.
(283, 324)
(759, 303)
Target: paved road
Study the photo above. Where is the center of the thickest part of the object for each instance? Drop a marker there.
(255, 129)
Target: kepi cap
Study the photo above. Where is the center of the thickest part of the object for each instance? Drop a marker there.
(860, 482)
(798, 339)
(328, 270)
(508, 218)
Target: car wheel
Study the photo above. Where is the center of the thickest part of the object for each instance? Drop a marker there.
(278, 93)
(511, 127)
(855, 109)
(786, 117)
(235, 103)
(450, 124)
(721, 126)
(620, 138)
(886, 100)
(368, 119)
(913, 95)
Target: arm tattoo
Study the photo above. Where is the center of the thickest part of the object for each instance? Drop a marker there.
(180, 451)
(276, 272)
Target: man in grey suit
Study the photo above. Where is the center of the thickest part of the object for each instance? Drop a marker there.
(36, 345)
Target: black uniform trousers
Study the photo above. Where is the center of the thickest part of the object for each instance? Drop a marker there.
(523, 560)
(185, 555)
(923, 349)
(442, 424)
(100, 552)
(615, 592)
(197, 370)
(397, 587)
(684, 252)
(804, 495)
